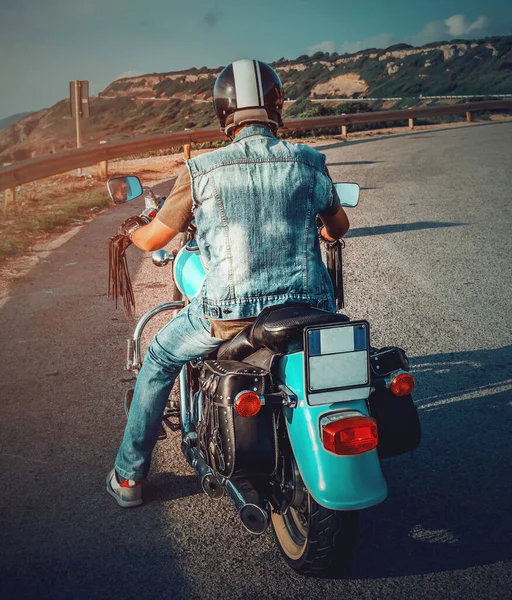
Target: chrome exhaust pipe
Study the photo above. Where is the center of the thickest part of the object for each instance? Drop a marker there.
(189, 450)
(211, 486)
(254, 518)
(253, 511)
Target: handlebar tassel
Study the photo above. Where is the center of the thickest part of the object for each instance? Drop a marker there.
(119, 282)
(335, 269)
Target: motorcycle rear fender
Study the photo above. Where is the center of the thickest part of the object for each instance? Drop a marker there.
(336, 482)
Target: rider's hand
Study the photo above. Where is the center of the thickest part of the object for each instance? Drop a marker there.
(324, 235)
(131, 224)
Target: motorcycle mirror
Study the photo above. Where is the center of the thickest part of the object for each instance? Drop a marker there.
(161, 258)
(124, 189)
(348, 193)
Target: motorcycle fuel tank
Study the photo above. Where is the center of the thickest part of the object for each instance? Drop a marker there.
(189, 272)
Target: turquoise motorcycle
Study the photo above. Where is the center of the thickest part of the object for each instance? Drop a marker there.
(291, 418)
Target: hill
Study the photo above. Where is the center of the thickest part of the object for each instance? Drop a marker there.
(161, 102)
(4, 123)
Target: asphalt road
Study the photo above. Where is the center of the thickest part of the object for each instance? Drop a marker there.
(427, 262)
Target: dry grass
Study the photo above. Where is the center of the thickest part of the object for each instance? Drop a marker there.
(51, 206)
(47, 208)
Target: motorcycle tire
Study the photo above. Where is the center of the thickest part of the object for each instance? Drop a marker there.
(321, 544)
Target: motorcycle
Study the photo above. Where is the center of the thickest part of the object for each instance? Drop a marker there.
(292, 417)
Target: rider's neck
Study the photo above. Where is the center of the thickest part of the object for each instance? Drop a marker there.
(238, 129)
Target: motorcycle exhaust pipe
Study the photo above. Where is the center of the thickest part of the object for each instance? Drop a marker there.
(190, 453)
(211, 487)
(253, 511)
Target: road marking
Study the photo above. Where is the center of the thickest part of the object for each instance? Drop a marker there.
(479, 392)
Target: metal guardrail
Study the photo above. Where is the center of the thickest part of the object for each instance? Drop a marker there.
(383, 116)
(62, 162)
(398, 98)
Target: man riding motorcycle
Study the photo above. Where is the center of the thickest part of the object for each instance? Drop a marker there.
(255, 204)
(121, 189)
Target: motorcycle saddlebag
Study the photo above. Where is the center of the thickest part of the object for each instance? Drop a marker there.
(231, 444)
(397, 418)
(397, 422)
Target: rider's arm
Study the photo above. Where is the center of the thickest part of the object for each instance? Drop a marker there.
(153, 236)
(174, 217)
(335, 219)
(336, 226)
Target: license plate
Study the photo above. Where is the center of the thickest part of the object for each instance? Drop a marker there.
(337, 356)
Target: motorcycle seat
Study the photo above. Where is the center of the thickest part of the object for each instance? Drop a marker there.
(278, 328)
(238, 347)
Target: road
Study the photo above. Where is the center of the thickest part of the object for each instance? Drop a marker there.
(427, 262)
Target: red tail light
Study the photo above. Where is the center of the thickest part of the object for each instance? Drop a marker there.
(351, 434)
(402, 384)
(247, 404)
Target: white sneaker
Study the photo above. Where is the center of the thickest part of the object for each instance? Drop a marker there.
(127, 494)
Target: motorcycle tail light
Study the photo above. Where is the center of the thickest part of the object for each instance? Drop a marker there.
(247, 404)
(352, 434)
(402, 384)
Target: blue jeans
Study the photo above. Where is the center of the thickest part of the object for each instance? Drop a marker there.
(186, 337)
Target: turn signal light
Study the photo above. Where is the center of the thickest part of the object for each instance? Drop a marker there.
(402, 384)
(350, 435)
(247, 404)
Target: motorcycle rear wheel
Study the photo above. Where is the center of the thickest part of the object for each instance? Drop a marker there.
(316, 540)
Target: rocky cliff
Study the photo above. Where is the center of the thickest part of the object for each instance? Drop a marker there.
(160, 102)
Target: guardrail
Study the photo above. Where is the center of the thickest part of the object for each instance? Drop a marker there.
(62, 162)
(398, 98)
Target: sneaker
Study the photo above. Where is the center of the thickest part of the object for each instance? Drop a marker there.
(127, 494)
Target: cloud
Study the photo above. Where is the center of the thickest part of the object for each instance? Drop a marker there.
(460, 25)
(130, 73)
(382, 40)
(327, 46)
(456, 26)
(434, 31)
(483, 23)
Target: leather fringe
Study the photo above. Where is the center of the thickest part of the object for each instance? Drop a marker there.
(119, 282)
(335, 270)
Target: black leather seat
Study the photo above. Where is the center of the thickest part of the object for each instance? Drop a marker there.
(237, 348)
(278, 328)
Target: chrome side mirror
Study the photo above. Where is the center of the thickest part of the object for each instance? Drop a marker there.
(124, 189)
(161, 258)
(348, 193)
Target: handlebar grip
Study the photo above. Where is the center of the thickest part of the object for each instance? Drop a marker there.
(148, 214)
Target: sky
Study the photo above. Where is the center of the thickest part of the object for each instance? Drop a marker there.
(44, 44)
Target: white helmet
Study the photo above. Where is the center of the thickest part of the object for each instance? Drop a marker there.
(248, 91)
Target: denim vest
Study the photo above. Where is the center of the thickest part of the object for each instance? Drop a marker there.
(255, 203)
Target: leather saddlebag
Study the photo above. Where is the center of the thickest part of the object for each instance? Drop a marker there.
(397, 422)
(235, 445)
(397, 418)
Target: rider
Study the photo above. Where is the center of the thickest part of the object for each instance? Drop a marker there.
(120, 189)
(254, 203)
